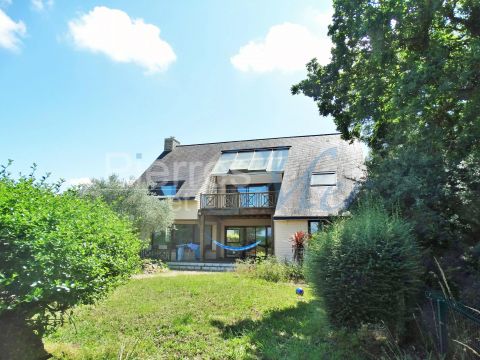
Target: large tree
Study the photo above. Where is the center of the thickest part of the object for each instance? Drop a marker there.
(404, 77)
(56, 251)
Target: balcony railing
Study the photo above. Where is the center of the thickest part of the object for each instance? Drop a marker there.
(238, 200)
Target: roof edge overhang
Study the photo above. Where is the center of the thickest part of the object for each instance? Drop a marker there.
(183, 198)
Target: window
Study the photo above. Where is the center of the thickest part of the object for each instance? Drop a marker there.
(161, 238)
(190, 233)
(256, 160)
(327, 178)
(186, 233)
(167, 189)
(278, 160)
(260, 160)
(242, 161)
(314, 226)
(247, 197)
(223, 164)
(241, 236)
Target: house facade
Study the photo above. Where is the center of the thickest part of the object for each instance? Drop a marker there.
(260, 191)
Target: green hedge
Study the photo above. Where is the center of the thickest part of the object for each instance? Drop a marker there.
(56, 251)
(366, 268)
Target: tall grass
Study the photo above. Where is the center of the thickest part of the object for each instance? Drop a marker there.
(271, 269)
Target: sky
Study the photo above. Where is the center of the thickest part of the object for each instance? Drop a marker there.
(90, 88)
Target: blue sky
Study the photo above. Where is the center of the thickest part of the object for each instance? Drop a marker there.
(86, 85)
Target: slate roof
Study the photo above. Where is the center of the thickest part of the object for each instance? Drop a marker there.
(193, 164)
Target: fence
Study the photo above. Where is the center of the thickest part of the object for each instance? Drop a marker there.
(457, 326)
(161, 254)
(238, 200)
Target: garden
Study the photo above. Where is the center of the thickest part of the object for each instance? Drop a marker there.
(209, 316)
(403, 79)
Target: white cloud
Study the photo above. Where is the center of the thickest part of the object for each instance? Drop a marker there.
(286, 47)
(113, 33)
(41, 5)
(11, 32)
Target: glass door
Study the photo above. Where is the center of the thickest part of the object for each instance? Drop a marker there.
(245, 235)
(232, 238)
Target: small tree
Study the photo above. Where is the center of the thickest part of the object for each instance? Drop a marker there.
(56, 251)
(146, 211)
(366, 268)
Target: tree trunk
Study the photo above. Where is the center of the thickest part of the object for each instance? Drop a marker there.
(18, 341)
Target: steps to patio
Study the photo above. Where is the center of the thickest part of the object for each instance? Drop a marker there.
(197, 266)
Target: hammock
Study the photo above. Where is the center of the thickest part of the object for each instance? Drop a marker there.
(234, 248)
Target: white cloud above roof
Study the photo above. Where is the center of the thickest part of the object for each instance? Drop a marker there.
(123, 39)
(11, 32)
(287, 47)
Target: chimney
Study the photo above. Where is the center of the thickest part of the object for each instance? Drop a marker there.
(170, 143)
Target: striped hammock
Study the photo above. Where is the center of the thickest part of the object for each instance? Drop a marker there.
(235, 248)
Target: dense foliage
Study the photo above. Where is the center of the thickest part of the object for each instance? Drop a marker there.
(56, 251)
(366, 268)
(135, 201)
(270, 269)
(405, 78)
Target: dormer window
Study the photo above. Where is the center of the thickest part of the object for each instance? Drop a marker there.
(223, 164)
(324, 178)
(270, 160)
(278, 160)
(167, 189)
(260, 160)
(242, 161)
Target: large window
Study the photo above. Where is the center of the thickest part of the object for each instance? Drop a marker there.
(278, 160)
(161, 239)
(272, 160)
(260, 160)
(244, 235)
(242, 161)
(223, 164)
(186, 233)
(248, 197)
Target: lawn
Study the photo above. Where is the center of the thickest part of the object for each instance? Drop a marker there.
(211, 316)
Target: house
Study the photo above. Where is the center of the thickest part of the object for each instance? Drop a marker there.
(242, 192)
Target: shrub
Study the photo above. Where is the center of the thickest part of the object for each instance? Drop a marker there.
(56, 251)
(366, 268)
(153, 266)
(270, 269)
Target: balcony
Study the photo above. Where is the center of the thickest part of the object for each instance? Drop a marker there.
(236, 200)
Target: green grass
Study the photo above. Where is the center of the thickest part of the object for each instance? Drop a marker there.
(220, 316)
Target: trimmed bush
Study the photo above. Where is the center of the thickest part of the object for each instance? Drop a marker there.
(366, 268)
(56, 251)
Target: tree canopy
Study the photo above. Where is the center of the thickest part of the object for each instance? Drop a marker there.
(401, 62)
(56, 251)
(404, 77)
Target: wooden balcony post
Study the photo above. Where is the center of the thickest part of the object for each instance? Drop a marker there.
(272, 234)
(202, 237)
